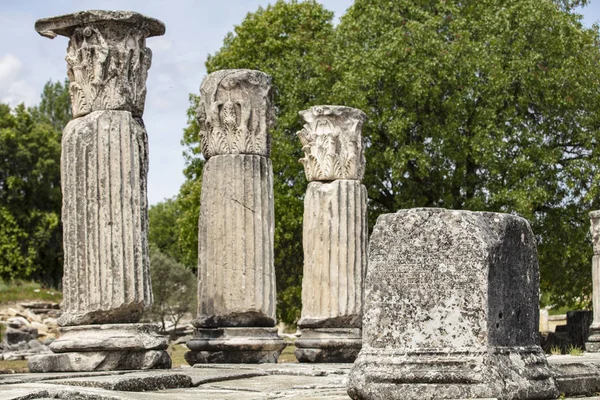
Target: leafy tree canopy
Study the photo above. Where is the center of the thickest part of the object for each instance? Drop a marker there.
(30, 195)
(481, 105)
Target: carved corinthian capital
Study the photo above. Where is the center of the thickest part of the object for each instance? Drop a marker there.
(107, 58)
(332, 143)
(235, 113)
(595, 230)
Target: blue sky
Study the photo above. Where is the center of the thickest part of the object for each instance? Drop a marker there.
(194, 30)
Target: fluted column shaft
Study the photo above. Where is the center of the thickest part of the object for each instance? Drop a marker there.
(104, 167)
(235, 249)
(335, 249)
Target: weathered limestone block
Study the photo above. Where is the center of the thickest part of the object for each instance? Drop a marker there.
(109, 337)
(451, 309)
(100, 361)
(236, 275)
(104, 167)
(332, 143)
(235, 113)
(335, 259)
(107, 58)
(593, 341)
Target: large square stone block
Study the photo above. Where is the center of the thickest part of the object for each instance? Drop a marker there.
(451, 309)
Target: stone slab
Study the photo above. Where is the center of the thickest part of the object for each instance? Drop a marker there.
(576, 375)
(110, 337)
(100, 361)
(135, 382)
(265, 381)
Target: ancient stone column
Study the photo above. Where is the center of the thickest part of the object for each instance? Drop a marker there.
(334, 235)
(236, 274)
(451, 309)
(104, 167)
(593, 341)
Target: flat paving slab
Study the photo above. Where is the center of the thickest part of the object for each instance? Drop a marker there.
(237, 382)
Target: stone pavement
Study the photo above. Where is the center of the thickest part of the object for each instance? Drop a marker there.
(237, 382)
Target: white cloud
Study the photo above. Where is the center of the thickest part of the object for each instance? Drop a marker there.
(14, 89)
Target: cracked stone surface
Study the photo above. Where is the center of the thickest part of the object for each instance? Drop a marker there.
(239, 382)
(451, 309)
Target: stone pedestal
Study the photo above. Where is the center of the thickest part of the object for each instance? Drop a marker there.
(451, 309)
(335, 235)
(104, 168)
(105, 348)
(236, 274)
(593, 341)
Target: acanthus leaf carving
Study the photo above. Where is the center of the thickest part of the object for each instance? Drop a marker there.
(235, 113)
(107, 58)
(332, 142)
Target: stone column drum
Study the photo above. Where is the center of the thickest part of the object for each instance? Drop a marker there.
(593, 341)
(451, 309)
(104, 168)
(236, 274)
(334, 236)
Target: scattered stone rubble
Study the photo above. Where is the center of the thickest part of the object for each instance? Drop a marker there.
(27, 332)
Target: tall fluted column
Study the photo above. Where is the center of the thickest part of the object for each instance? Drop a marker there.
(104, 168)
(593, 342)
(236, 274)
(335, 235)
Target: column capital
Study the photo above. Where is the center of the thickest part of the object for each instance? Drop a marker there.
(235, 113)
(107, 58)
(332, 143)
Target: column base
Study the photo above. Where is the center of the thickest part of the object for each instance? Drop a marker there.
(105, 348)
(503, 373)
(328, 345)
(592, 344)
(234, 345)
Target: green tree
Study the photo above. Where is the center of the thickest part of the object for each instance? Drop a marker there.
(30, 198)
(173, 287)
(290, 42)
(163, 228)
(55, 105)
(30, 194)
(481, 105)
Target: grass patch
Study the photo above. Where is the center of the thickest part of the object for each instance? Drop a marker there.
(17, 290)
(287, 355)
(574, 350)
(555, 350)
(176, 351)
(13, 367)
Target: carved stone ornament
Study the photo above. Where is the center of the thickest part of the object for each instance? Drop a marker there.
(595, 230)
(235, 113)
(107, 58)
(332, 143)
